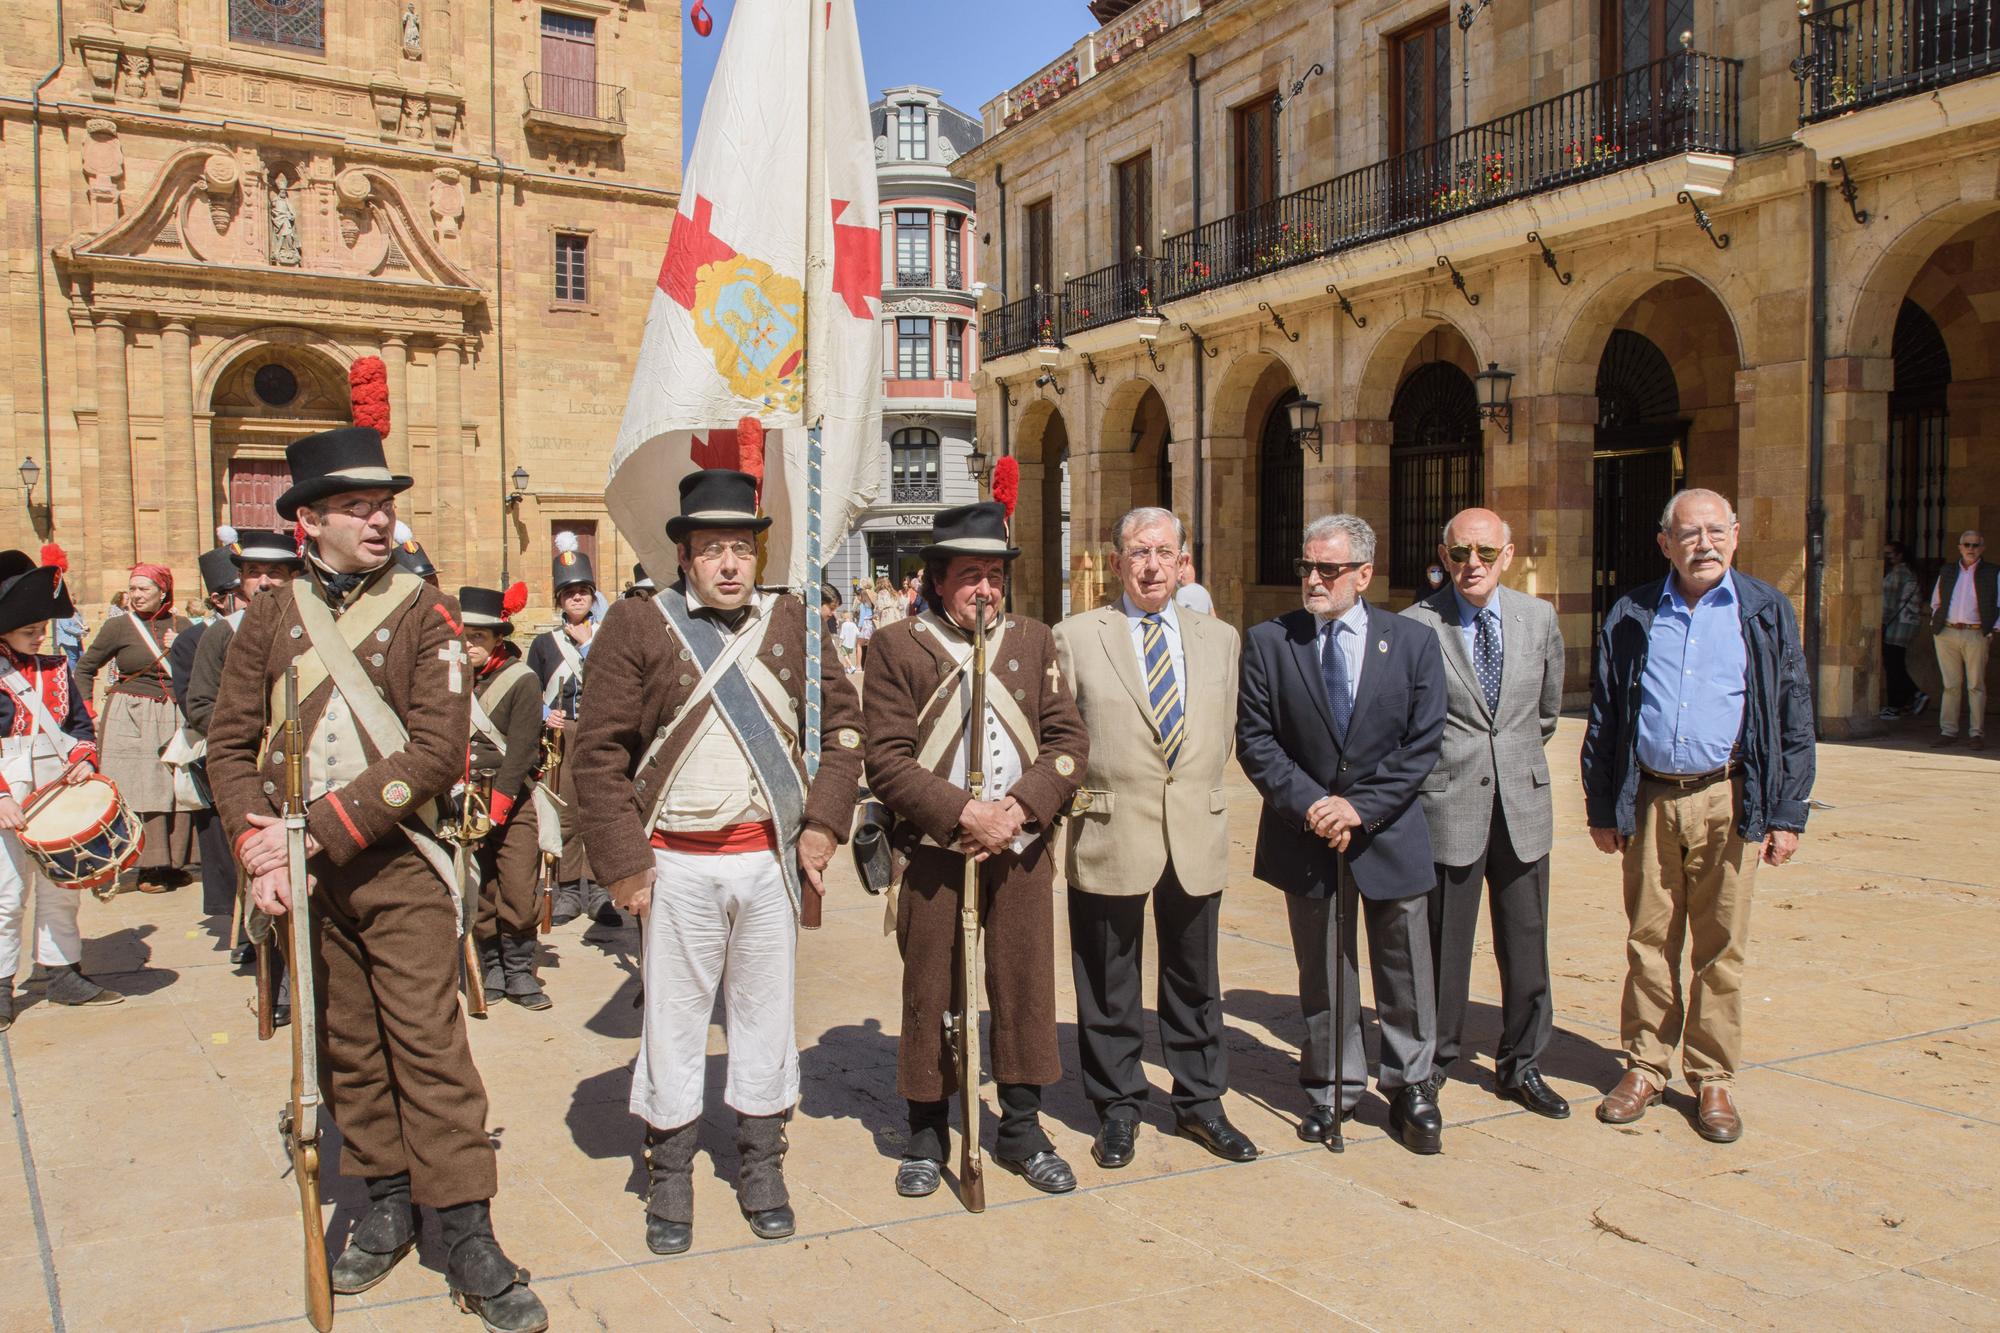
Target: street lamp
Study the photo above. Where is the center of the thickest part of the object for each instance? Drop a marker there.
(975, 464)
(1496, 395)
(1304, 413)
(30, 474)
(520, 480)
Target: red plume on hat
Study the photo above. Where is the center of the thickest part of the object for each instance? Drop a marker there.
(750, 451)
(53, 554)
(299, 536)
(513, 600)
(368, 394)
(1007, 483)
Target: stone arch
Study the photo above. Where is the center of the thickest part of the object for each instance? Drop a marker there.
(1134, 435)
(1865, 326)
(248, 426)
(1586, 326)
(310, 346)
(1040, 527)
(1397, 351)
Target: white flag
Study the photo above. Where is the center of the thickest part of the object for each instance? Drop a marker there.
(731, 328)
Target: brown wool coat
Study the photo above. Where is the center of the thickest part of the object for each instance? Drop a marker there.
(517, 715)
(905, 664)
(639, 677)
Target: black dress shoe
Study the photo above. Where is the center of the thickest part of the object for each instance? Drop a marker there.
(1414, 1119)
(243, 955)
(664, 1237)
(773, 1223)
(1535, 1094)
(1219, 1137)
(1317, 1127)
(1114, 1144)
(917, 1177)
(1045, 1171)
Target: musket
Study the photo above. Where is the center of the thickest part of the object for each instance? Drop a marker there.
(965, 1028)
(475, 821)
(298, 1122)
(545, 891)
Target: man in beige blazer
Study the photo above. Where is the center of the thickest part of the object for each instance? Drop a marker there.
(1156, 684)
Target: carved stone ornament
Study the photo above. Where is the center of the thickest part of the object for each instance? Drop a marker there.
(221, 182)
(413, 34)
(137, 68)
(170, 69)
(917, 305)
(385, 93)
(351, 191)
(416, 117)
(100, 60)
(447, 103)
(103, 171)
(285, 250)
(447, 205)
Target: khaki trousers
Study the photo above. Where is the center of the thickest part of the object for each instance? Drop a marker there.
(1688, 880)
(1961, 655)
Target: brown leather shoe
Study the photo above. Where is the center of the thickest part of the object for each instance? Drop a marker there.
(1629, 1100)
(1718, 1120)
(1976, 743)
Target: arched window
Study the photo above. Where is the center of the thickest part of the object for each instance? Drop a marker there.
(1281, 495)
(297, 24)
(1436, 466)
(913, 467)
(1919, 435)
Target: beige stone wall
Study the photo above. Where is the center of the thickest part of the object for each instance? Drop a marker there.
(428, 194)
(1735, 323)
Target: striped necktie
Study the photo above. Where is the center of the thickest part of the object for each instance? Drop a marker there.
(1163, 689)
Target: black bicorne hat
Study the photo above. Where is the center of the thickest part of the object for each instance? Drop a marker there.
(974, 529)
(716, 498)
(32, 595)
(218, 570)
(482, 607)
(269, 546)
(335, 462)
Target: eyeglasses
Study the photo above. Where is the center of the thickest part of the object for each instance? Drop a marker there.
(1970, 546)
(362, 510)
(1165, 555)
(716, 550)
(1713, 535)
(1329, 571)
(1458, 555)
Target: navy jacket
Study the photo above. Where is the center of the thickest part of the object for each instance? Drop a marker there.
(1777, 745)
(1285, 742)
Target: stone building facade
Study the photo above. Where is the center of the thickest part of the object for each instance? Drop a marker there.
(1682, 241)
(930, 333)
(239, 198)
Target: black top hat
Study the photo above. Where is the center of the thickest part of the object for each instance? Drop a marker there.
(716, 498)
(640, 578)
(411, 555)
(570, 567)
(482, 607)
(270, 546)
(31, 596)
(334, 462)
(218, 570)
(974, 529)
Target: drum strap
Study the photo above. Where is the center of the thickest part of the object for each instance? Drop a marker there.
(28, 697)
(379, 720)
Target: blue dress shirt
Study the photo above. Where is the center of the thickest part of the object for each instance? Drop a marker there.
(1353, 643)
(1468, 623)
(1691, 697)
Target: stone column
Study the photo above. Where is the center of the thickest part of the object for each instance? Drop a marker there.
(177, 440)
(1551, 503)
(115, 522)
(1857, 448)
(396, 362)
(449, 517)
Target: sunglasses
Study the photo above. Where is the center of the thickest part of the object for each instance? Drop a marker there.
(1461, 553)
(1328, 570)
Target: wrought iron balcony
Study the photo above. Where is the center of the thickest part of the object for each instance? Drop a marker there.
(1689, 102)
(1858, 53)
(954, 279)
(915, 492)
(913, 277)
(573, 98)
(1121, 291)
(1033, 321)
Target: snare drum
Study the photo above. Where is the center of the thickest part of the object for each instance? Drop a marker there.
(81, 834)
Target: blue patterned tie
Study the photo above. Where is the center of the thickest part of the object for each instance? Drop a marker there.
(1333, 672)
(1486, 657)
(1163, 690)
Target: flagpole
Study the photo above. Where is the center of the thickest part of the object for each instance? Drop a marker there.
(819, 292)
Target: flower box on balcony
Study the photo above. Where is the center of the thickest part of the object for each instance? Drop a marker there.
(1045, 355)
(1149, 327)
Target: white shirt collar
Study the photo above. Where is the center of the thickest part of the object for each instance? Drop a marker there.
(1167, 612)
(759, 603)
(1355, 618)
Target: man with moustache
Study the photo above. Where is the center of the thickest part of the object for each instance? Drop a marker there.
(1156, 684)
(383, 704)
(1339, 721)
(1697, 766)
(1488, 802)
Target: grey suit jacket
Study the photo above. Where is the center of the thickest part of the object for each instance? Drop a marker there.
(1484, 750)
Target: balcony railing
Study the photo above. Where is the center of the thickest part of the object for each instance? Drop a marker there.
(562, 95)
(1861, 52)
(915, 492)
(1035, 320)
(954, 279)
(913, 277)
(1121, 291)
(1686, 103)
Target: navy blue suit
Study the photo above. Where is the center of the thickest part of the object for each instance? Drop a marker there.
(1286, 742)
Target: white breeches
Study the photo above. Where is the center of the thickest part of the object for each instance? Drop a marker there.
(717, 922)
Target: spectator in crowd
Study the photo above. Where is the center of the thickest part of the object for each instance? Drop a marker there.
(1965, 614)
(1902, 609)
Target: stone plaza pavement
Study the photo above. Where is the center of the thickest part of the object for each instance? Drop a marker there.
(144, 1186)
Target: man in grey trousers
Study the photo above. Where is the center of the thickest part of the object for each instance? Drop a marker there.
(1488, 801)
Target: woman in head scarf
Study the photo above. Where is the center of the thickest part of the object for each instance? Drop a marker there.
(140, 718)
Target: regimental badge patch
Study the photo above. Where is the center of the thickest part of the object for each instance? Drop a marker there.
(849, 738)
(1065, 765)
(396, 794)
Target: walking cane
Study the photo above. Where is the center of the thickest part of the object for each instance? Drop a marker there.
(1338, 1143)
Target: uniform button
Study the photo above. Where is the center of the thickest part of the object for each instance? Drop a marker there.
(377, 659)
(1485, 782)
(270, 787)
(1170, 779)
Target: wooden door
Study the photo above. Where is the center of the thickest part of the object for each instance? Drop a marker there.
(569, 64)
(254, 487)
(1040, 242)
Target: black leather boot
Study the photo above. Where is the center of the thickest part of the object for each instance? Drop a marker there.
(760, 1181)
(492, 970)
(6, 1004)
(670, 1187)
(68, 985)
(483, 1280)
(386, 1233)
(517, 959)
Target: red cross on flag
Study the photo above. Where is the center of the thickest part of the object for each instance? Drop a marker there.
(769, 299)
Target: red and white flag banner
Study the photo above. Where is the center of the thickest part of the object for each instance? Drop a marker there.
(731, 333)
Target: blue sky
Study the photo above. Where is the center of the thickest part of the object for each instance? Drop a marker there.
(967, 50)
